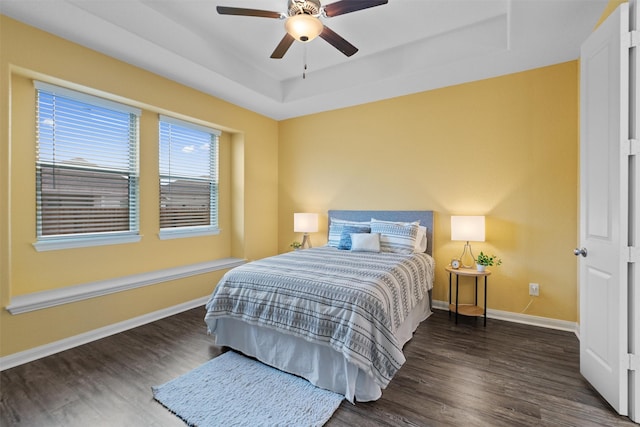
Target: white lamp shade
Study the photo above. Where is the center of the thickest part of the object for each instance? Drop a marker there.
(305, 222)
(467, 228)
(303, 27)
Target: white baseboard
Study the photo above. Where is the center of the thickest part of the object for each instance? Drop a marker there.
(30, 355)
(526, 319)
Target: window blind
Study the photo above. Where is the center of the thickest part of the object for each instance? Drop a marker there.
(188, 176)
(86, 165)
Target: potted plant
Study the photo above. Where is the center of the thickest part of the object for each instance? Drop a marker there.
(483, 261)
(296, 245)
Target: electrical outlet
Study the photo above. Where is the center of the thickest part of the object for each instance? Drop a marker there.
(534, 289)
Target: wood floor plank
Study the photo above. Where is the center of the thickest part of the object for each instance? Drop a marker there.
(506, 374)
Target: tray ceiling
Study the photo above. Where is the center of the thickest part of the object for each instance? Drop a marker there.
(406, 46)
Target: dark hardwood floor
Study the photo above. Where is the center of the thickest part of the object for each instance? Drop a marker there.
(466, 375)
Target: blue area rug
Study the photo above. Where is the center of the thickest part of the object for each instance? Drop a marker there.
(233, 390)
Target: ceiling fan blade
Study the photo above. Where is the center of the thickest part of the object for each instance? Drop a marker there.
(283, 46)
(224, 10)
(347, 6)
(338, 42)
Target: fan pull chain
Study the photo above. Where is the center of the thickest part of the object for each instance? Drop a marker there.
(304, 62)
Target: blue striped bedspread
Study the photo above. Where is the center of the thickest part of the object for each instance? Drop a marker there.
(351, 301)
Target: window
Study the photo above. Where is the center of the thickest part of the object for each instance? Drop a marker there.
(86, 169)
(188, 179)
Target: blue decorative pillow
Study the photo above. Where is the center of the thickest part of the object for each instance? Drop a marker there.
(345, 236)
(335, 229)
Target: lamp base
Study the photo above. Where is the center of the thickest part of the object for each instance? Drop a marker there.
(305, 241)
(467, 247)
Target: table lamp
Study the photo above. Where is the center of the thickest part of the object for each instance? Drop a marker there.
(470, 229)
(305, 223)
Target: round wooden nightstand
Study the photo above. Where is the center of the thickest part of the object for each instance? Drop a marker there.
(468, 309)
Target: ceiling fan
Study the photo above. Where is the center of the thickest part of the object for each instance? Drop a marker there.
(302, 21)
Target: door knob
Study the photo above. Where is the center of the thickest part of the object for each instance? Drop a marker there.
(582, 252)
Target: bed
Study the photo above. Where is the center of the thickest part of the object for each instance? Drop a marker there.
(337, 315)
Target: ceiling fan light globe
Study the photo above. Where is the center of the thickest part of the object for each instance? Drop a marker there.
(303, 27)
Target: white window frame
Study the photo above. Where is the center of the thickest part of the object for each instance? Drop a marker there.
(78, 240)
(198, 230)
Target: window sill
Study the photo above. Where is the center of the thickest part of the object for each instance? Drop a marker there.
(45, 299)
(54, 245)
(178, 233)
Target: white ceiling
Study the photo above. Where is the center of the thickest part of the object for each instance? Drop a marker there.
(406, 46)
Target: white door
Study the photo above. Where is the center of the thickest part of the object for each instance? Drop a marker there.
(634, 212)
(604, 172)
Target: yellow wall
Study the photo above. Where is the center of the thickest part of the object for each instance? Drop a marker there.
(248, 191)
(611, 6)
(505, 147)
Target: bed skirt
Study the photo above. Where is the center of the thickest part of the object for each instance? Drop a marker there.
(320, 364)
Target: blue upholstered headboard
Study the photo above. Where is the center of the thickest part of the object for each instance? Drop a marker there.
(425, 218)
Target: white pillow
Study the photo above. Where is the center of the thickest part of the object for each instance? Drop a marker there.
(365, 242)
(396, 237)
(421, 240)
